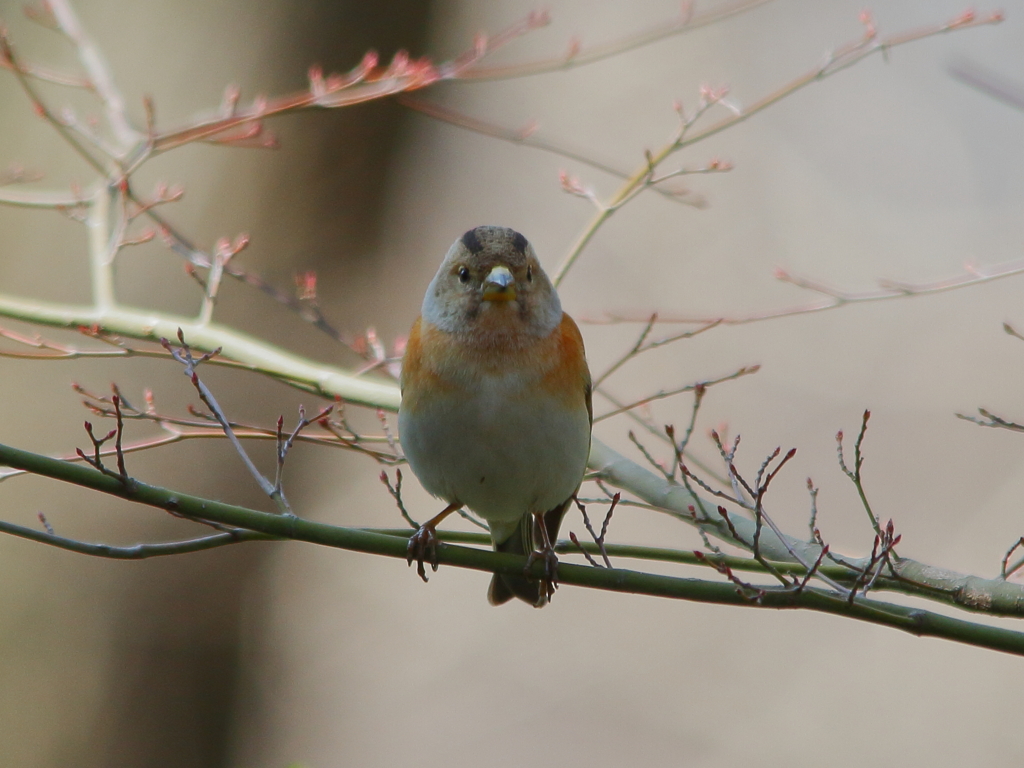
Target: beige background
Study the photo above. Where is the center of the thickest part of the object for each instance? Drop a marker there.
(889, 170)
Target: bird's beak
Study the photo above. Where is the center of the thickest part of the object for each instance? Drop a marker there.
(499, 285)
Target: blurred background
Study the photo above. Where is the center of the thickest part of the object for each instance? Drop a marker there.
(272, 654)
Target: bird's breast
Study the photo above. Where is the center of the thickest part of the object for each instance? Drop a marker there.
(505, 433)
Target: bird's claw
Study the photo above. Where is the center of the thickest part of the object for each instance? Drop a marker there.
(549, 579)
(422, 545)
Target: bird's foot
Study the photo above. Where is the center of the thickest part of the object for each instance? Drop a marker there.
(549, 579)
(423, 545)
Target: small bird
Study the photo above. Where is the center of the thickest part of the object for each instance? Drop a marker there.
(496, 403)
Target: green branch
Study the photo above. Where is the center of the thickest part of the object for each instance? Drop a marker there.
(134, 551)
(147, 325)
(913, 620)
(991, 596)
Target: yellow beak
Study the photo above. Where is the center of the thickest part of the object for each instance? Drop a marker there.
(499, 285)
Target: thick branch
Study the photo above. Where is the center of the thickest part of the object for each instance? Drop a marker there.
(247, 350)
(993, 596)
(916, 621)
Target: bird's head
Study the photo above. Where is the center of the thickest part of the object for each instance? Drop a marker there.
(491, 282)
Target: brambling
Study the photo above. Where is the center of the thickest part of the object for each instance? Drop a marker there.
(496, 403)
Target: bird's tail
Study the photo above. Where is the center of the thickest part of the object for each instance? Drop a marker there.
(523, 542)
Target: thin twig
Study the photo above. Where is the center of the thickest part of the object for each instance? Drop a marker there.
(679, 448)
(184, 356)
(989, 82)
(662, 394)
(61, 201)
(989, 419)
(598, 538)
(843, 58)
(7, 55)
(578, 56)
(136, 551)
(366, 82)
(659, 433)
(284, 444)
(1006, 571)
(633, 351)
(971, 276)
(855, 473)
(579, 546)
(526, 137)
(812, 523)
(396, 493)
(99, 76)
(659, 466)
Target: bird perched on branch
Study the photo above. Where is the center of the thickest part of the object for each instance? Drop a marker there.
(496, 403)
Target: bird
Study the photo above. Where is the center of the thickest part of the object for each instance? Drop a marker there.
(496, 410)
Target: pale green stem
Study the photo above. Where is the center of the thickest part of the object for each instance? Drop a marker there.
(101, 249)
(247, 350)
(39, 199)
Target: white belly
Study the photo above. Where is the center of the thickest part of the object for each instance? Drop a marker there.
(499, 454)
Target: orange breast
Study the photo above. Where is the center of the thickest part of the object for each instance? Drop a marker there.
(569, 378)
(419, 378)
(439, 364)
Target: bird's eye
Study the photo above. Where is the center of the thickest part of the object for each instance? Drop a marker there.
(464, 274)
(529, 274)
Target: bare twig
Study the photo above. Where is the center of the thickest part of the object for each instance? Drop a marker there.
(136, 551)
(812, 524)
(747, 590)
(745, 371)
(842, 58)
(991, 83)
(96, 460)
(659, 432)
(578, 56)
(658, 465)
(679, 448)
(1007, 571)
(855, 474)
(184, 356)
(99, 76)
(880, 552)
(382, 417)
(890, 289)
(526, 137)
(284, 443)
(175, 430)
(728, 458)
(7, 56)
(802, 584)
(989, 419)
(60, 201)
(582, 550)
(366, 82)
(756, 493)
(642, 179)
(642, 345)
(396, 493)
(47, 75)
(598, 538)
(845, 57)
